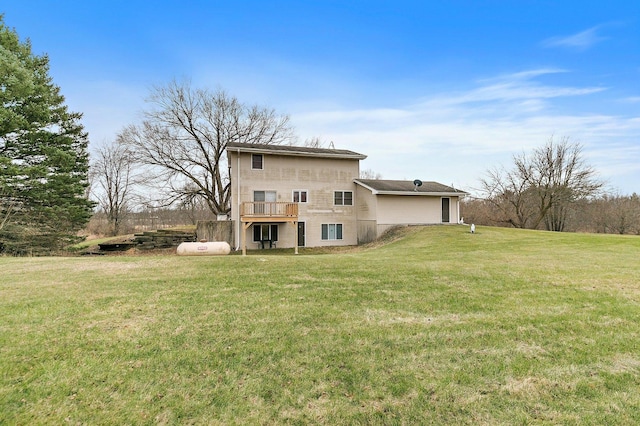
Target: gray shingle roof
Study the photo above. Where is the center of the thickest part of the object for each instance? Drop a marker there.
(295, 150)
(406, 186)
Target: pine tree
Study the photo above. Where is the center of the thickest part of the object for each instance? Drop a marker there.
(43, 155)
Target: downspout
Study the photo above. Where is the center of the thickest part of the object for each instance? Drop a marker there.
(239, 224)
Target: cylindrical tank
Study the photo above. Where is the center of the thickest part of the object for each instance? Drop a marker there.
(204, 248)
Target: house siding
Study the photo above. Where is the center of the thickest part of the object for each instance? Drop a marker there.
(367, 211)
(320, 177)
(407, 210)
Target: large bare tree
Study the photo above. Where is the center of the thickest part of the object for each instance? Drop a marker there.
(542, 187)
(560, 178)
(184, 137)
(114, 178)
(508, 192)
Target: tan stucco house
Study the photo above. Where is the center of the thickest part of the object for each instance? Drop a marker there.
(290, 196)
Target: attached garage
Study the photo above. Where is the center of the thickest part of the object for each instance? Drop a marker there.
(383, 204)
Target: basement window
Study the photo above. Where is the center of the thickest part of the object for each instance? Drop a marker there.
(266, 232)
(331, 231)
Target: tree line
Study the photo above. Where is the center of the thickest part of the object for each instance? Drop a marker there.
(604, 214)
(554, 189)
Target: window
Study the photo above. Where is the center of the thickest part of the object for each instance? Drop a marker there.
(268, 196)
(256, 161)
(343, 198)
(331, 231)
(299, 196)
(261, 199)
(265, 232)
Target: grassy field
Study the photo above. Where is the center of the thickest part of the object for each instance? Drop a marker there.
(436, 327)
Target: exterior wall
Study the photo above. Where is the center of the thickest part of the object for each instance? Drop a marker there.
(381, 229)
(320, 177)
(405, 210)
(213, 230)
(367, 204)
(414, 210)
(366, 209)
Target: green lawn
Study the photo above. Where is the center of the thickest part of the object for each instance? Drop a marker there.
(438, 327)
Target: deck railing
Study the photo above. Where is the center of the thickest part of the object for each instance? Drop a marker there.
(268, 209)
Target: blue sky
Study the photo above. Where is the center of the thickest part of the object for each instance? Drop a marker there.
(435, 90)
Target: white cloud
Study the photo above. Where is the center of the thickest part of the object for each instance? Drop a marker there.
(580, 41)
(455, 139)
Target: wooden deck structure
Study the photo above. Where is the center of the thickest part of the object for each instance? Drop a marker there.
(267, 212)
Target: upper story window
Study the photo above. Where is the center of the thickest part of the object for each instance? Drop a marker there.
(299, 196)
(343, 198)
(257, 161)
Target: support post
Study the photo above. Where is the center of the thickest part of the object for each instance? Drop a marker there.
(245, 226)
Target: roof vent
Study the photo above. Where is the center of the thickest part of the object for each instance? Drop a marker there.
(417, 183)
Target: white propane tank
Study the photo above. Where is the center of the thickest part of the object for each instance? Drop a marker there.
(204, 248)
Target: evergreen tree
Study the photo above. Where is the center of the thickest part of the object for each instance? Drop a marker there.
(43, 155)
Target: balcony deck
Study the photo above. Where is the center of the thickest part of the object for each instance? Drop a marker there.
(260, 211)
(267, 212)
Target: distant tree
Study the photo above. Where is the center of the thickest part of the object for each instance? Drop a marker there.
(43, 154)
(477, 210)
(114, 177)
(619, 214)
(194, 207)
(185, 134)
(370, 174)
(561, 177)
(542, 187)
(510, 195)
(314, 142)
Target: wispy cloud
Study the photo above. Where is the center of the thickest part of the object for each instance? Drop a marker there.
(579, 41)
(522, 86)
(456, 138)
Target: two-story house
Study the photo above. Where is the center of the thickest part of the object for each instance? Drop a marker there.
(293, 196)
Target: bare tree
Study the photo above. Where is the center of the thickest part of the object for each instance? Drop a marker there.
(542, 187)
(314, 142)
(113, 179)
(560, 178)
(370, 174)
(185, 134)
(620, 214)
(508, 192)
